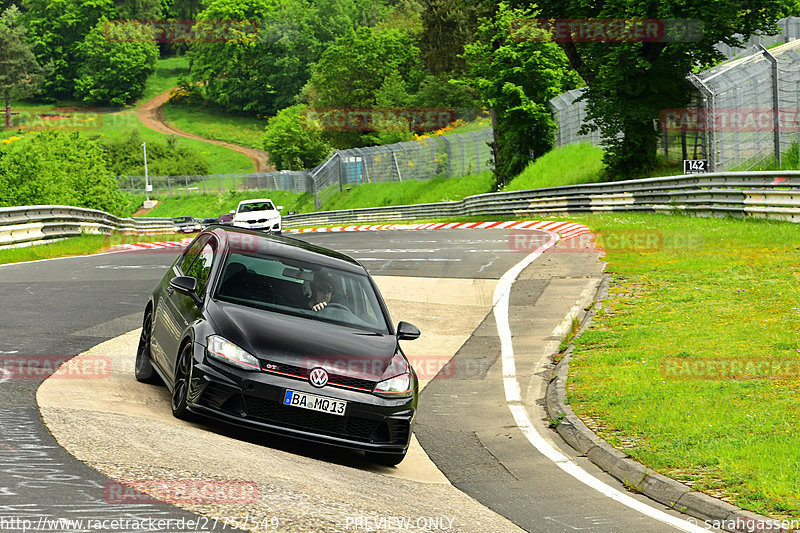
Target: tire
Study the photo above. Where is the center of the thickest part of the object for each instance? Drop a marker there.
(143, 368)
(385, 459)
(180, 389)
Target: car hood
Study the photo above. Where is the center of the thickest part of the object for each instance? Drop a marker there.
(286, 339)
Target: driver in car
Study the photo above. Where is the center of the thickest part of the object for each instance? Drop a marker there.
(321, 292)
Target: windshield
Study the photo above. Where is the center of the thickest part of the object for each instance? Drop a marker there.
(302, 289)
(257, 206)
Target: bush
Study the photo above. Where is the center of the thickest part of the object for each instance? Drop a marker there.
(293, 142)
(113, 72)
(125, 157)
(64, 168)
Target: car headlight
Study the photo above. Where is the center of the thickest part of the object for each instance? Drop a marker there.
(396, 381)
(226, 351)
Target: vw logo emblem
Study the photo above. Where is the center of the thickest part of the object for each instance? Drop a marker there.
(318, 377)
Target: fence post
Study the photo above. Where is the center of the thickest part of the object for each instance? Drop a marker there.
(776, 123)
(341, 172)
(708, 138)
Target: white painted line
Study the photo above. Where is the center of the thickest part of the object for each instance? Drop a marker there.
(513, 398)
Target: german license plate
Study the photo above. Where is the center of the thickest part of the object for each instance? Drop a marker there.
(314, 402)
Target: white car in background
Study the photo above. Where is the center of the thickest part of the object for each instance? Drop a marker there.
(258, 214)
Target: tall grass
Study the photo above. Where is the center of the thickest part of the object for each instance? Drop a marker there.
(568, 165)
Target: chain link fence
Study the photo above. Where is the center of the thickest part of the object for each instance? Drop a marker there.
(744, 116)
(748, 109)
(450, 156)
(789, 31)
(287, 180)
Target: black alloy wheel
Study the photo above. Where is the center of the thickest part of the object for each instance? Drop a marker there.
(143, 369)
(183, 374)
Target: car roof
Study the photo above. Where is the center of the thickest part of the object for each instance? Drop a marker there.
(259, 242)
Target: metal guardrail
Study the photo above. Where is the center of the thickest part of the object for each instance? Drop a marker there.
(37, 222)
(740, 194)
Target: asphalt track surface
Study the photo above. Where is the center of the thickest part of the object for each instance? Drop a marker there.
(53, 310)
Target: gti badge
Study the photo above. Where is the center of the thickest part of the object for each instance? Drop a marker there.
(318, 377)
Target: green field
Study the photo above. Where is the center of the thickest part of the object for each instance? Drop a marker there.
(211, 123)
(117, 123)
(714, 291)
(168, 70)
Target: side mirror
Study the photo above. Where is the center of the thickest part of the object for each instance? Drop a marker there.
(279, 207)
(406, 331)
(184, 284)
(290, 213)
(232, 211)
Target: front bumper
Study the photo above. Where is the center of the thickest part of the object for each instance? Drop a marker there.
(268, 226)
(255, 400)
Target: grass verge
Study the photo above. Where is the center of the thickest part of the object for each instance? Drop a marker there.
(79, 245)
(410, 192)
(650, 376)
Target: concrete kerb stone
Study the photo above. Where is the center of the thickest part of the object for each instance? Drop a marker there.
(632, 473)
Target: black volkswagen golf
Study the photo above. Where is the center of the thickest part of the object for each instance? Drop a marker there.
(283, 336)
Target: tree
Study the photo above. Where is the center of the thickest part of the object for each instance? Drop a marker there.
(113, 72)
(293, 141)
(367, 68)
(20, 74)
(138, 9)
(53, 167)
(263, 71)
(449, 25)
(629, 82)
(516, 80)
(57, 28)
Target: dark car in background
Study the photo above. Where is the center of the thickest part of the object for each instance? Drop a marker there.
(206, 222)
(233, 332)
(186, 225)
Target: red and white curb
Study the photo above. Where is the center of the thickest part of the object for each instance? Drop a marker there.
(566, 230)
(151, 245)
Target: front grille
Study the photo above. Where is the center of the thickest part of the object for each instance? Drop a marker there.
(333, 379)
(351, 427)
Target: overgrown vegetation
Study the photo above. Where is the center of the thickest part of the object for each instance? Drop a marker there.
(58, 168)
(171, 158)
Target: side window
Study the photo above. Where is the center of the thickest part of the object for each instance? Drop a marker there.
(201, 267)
(192, 253)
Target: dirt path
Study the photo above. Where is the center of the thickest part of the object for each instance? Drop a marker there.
(151, 115)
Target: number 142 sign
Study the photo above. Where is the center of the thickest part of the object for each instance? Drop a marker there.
(695, 166)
